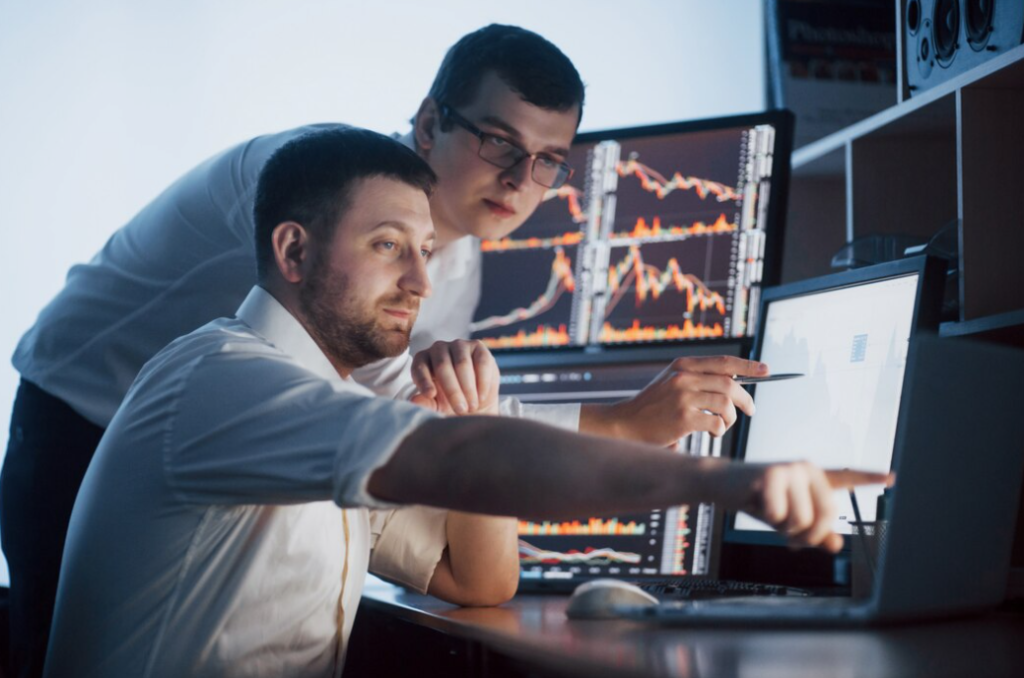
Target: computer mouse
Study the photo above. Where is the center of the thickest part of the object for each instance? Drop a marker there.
(600, 598)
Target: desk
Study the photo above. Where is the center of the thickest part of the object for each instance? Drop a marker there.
(399, 633)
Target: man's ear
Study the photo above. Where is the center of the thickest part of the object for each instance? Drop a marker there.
(427, 125)
(291, 250)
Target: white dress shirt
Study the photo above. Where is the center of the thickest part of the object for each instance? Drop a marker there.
(207, 539)
(187, 258)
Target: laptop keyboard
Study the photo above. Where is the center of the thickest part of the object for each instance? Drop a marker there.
(696, 588)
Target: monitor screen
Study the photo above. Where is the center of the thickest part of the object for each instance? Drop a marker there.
(664, 542)
(662, 234)
(849, 337)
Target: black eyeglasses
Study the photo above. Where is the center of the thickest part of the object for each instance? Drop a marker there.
(501, 152)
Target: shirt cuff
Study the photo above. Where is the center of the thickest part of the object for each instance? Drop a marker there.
(564, 415)
(409, 544)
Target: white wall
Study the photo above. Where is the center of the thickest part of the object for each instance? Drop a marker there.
(104, 103)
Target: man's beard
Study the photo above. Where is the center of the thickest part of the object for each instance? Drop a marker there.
(343, 329)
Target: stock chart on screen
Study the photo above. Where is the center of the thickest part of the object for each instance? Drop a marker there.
(662, 234)
(675, 540)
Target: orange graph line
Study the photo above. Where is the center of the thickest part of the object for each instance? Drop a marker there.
(594, 526)
(654, 182)
(688, 330)
(649, 280)
(642, 230)
(571, 238)
(573, 197)
(561, 280)
(544, 336)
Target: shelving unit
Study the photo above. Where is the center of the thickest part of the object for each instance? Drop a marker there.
(954, 152)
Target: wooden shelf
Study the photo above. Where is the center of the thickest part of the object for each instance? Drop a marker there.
(1003, 72)
(1004, 328)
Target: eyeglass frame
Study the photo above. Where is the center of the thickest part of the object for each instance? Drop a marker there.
(447, 112)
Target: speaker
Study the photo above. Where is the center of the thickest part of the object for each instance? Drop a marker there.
(944, 38)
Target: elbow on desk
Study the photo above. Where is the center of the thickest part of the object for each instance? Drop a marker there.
(476, 588)
(501, 591)
(498, 592)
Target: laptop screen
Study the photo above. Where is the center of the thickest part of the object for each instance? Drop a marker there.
(655, 544)
(850, 341)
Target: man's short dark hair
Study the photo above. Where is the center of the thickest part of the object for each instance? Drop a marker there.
(309, 180)
(525, 61)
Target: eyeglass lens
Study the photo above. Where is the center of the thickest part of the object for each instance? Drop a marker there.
(545, 171)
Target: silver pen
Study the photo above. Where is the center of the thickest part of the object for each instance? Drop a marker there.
(762, 380)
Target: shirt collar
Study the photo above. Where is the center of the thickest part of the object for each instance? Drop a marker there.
(454, 260)
(265, 314)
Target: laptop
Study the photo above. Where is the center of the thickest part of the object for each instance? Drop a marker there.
(881, 392)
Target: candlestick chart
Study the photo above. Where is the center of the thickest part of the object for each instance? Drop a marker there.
(591, 526)
(541, 321)
(654, 182)
(652, 297)
(655, 239)
(645, 544)
(593, 542)
(671, 254)
(662, 542)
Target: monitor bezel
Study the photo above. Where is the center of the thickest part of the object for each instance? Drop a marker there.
(625, 354)
(782, 120)
(925, 321)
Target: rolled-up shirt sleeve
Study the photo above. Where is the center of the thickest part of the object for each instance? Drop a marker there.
(407, 544)
(561, 415)
(279, 435)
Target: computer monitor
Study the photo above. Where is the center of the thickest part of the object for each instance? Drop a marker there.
(663, 234)
(559, 554)
(849, 335)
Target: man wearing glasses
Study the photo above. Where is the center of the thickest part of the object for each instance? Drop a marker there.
(495, 128)
(521, 140)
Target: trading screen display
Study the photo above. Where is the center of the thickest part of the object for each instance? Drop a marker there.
(657, 543)
(657, 237)
(851, 344)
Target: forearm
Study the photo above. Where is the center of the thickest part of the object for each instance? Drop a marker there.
(517, 468)
(481, 563)
(594, 420)
(502, 467)
(690, 395)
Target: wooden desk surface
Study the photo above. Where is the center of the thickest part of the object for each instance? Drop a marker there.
(532, 636)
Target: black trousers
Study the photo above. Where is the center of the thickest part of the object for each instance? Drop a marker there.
(48, 452)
